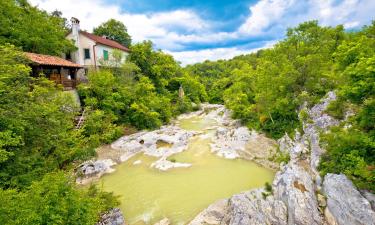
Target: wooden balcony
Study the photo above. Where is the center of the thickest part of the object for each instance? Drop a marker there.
(68, 84)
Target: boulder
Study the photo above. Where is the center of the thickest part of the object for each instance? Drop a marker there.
(345, 204)
(253, 208)
(112, 217)
(229, 142)
(370, 197)
(164, 221)
(261, 150)
(213, 214)
(164, 164)
(95, 168)
(294, 186)
(285, 143)
(175, 139)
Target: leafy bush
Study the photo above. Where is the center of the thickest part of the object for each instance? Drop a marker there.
(351, 152)
(99, 127)
(183, 105)
(336, 109)
(282, 157)
(143, 118)
(54, 200)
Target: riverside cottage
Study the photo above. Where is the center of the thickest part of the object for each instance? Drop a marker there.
(57, 69)
(92, 50)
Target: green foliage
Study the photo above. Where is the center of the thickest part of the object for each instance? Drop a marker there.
(337, 109)
(183, 105)
(267, 190)
(37, 135)
(99, 127)
(54, 200)
(32, 29)
(156, 65)
(142, 92)
(194, 90)
(282, 157)
(350, 152)
(114, 30)
(143, 118)
(268, 187)
(36, 124)
(266, 89)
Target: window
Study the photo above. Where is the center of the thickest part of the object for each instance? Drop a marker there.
(87, 53)
(68, 56)
(105, 55)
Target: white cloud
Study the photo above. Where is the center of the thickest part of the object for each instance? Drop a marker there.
(263, 14)
(91, 13)
(266, 18)
(194, 56)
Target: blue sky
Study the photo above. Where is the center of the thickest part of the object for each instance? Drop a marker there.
(194, 31)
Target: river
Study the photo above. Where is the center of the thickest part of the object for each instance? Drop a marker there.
(148, 195)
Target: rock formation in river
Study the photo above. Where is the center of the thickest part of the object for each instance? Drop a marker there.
(112, 217)
(298, 196)
(295, 197)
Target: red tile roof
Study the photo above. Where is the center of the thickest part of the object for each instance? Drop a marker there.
(105, 41)
(50, 60)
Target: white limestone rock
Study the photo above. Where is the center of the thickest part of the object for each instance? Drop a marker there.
(345, 203)
(285, 143)
(213, 214)
(294, 186)
(228, 142)
(320, 122)
(164, 164)
(164, 221)
(252, 208)
(146, 142)
(112, 217)
(98, 167)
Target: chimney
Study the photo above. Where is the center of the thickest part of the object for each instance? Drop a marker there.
(75, 25)
(75, 37)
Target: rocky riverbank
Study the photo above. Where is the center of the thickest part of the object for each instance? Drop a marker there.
(229, 140)
(298, 195)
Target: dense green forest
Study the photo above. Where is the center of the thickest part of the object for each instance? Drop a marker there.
(266, 90)
(39, 147)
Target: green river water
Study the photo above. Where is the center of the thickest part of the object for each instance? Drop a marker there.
(148, 195)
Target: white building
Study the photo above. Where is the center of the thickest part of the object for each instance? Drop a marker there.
(93, 50)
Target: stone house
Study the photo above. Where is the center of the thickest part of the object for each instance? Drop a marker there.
(92, 50)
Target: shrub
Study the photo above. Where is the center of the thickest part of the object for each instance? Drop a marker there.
(54, 200)
(143, 118)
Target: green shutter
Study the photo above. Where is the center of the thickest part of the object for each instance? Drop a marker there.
(87, 53)
(105, 55)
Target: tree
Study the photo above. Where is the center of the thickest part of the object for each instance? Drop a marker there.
(54, 200)
(157, 65)
(36, 124)
(32, 29)
(114, 30)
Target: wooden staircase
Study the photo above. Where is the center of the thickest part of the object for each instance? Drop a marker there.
(80, 120)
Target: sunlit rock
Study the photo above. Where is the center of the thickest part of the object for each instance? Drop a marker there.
(345, 204)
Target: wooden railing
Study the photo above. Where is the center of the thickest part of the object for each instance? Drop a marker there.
(64, 81)
(69, 83)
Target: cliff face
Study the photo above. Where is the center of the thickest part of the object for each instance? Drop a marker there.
(299, 195)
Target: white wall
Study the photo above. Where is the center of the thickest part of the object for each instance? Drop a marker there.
(100, 55)
(85, 42)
